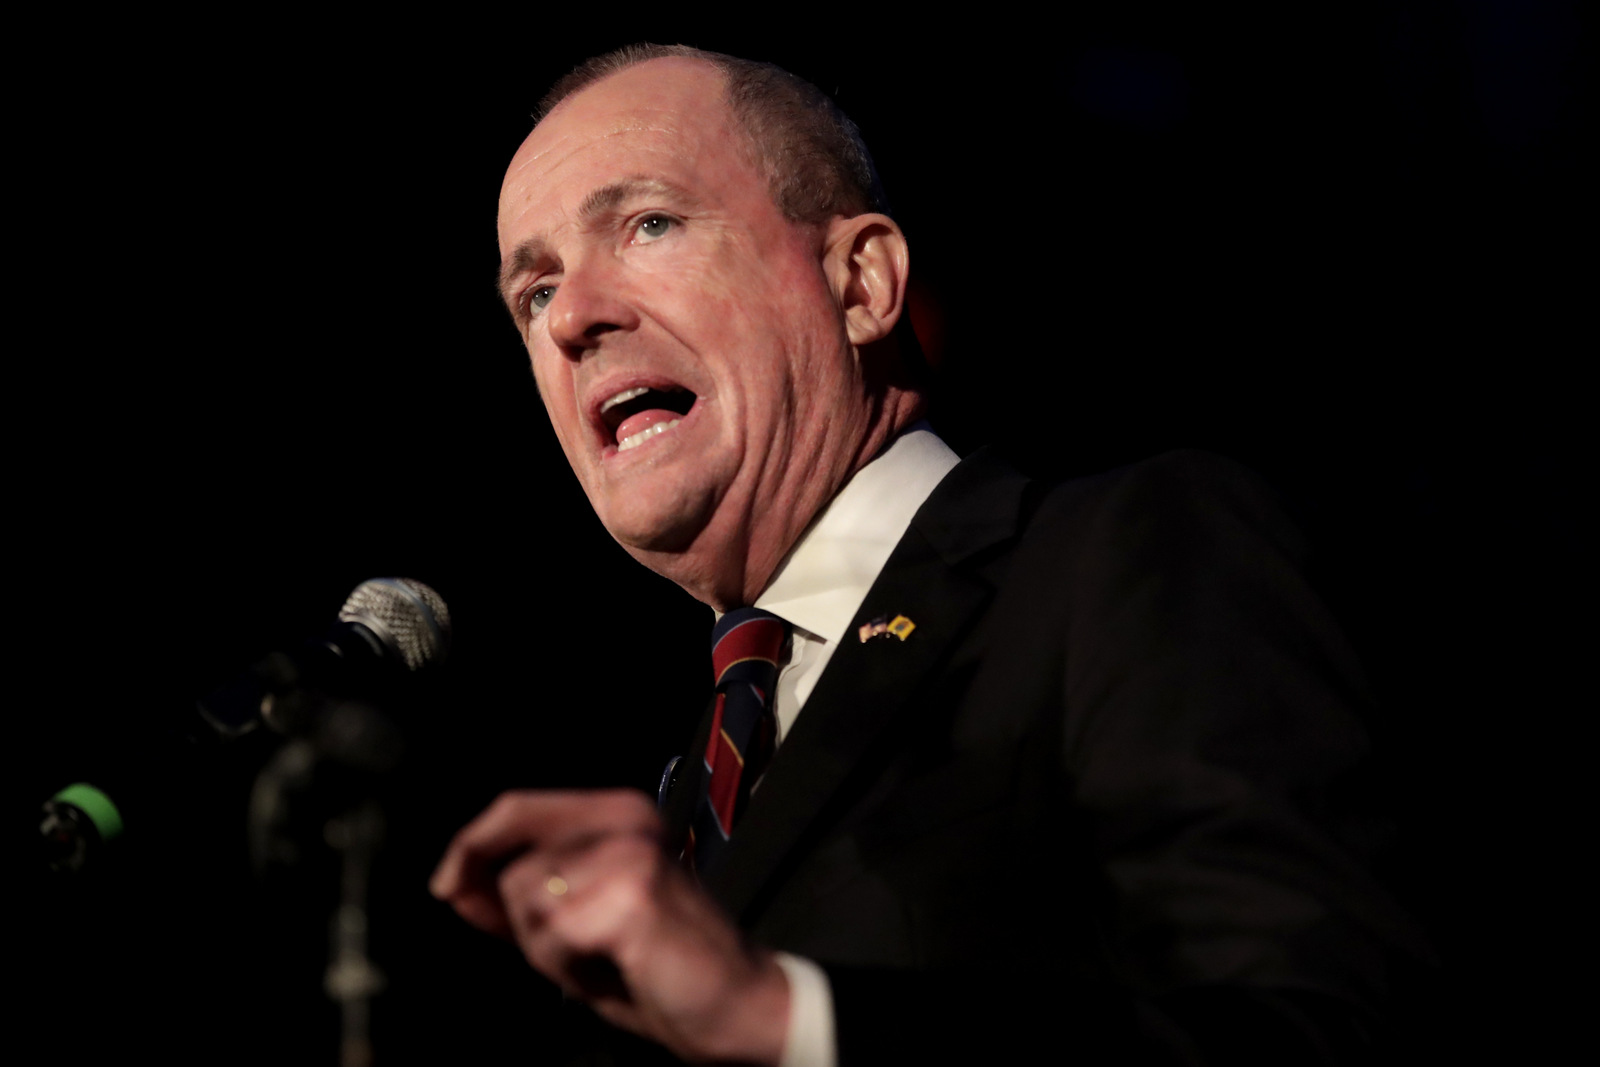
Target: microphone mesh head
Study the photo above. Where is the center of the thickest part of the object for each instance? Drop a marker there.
(406, 615)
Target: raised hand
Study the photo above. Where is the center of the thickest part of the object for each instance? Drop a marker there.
(579, 881)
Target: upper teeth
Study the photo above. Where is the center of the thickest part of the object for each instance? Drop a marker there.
(623, 397)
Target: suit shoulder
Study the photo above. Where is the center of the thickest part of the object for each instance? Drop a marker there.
(1182, 474)
(1188, 495)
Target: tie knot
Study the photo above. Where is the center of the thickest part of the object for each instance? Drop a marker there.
(745, 646)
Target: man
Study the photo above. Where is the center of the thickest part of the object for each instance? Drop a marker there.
(1066, 765)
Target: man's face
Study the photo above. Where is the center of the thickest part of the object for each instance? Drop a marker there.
(688, 346)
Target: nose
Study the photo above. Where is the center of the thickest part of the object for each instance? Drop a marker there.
(590, 304)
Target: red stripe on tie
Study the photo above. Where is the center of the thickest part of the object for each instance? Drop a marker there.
(716, 731)
(757, 639)
(723, 764)
(724, 789)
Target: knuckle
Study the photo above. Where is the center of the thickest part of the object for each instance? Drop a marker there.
(618, 903)
(630, 808)
(514, 878)
(639, 854)
(510, 801)
(524, 913)
(522, 886)
(628, 857)
(625, 889)
(631, 894)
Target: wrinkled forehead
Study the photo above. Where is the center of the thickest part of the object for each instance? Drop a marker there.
(663, 113)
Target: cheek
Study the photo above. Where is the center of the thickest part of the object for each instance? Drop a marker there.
(698, 297)
(761, 312)
(560, 404)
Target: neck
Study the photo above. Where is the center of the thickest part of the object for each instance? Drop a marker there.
(732, 561)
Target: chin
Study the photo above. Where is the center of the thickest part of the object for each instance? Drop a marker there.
(671, 527)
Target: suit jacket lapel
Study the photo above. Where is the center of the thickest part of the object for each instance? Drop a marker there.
(867, 684)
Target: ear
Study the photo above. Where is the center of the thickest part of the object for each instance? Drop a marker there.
(867, 264)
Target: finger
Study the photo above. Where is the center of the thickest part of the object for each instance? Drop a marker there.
(540, 888)
(537, 885)
(533, 891)
(529, 890)
(519, 821)
(490, 904)
(649, 951)
(484, 911)
(614, 891)
(617, 923)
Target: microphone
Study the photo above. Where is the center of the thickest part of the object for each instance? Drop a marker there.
(389, 628)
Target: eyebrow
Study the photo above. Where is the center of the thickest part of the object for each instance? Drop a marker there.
(599, 203)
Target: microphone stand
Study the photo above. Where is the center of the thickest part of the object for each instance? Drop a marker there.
(352, 978)
(338, 765)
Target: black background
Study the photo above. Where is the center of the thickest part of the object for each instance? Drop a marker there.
(258, 358)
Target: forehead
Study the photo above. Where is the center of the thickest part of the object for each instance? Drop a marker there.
(663, 119)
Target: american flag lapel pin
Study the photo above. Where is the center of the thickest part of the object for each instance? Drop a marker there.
(883, 626)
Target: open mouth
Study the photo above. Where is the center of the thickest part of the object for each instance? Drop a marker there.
(635, 415)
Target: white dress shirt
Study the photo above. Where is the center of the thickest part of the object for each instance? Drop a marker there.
(818, 588)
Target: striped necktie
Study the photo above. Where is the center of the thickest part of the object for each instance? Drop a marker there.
(745, 647)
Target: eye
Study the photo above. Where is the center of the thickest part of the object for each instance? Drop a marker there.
(539, 299)
(654, 227)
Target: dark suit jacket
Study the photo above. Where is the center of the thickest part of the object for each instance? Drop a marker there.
(1107, 798)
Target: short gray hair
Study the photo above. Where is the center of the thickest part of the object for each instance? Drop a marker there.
(812, 155)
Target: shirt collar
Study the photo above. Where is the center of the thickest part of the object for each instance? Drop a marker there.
(822, 582)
